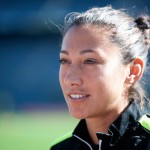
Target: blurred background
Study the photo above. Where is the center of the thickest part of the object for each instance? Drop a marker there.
(32, 107)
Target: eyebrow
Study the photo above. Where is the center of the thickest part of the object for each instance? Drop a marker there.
(82, 52)
(64, 52)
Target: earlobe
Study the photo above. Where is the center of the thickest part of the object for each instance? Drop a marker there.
(130, 79)
(135, 71)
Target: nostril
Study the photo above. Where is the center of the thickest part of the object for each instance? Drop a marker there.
(73, 82)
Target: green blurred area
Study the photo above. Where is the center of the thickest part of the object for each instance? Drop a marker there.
(33, 130)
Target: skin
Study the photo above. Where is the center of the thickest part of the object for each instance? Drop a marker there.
(91, 66)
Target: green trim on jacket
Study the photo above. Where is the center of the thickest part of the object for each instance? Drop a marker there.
(145, 122)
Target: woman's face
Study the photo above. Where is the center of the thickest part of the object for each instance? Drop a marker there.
(92, 76)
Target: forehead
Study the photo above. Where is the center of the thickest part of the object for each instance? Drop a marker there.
(80, 38)
(87, 37)
(88, 32)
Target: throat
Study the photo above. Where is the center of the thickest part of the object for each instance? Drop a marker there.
(95, 126)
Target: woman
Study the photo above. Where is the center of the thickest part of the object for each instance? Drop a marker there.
(103, 56)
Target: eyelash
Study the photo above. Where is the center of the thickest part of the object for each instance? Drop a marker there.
(87, 61)
(90, 61)
(63, 61)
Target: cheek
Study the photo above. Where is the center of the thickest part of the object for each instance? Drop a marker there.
(93, 74)
(104, 78)
(94, 80)
(115, 79)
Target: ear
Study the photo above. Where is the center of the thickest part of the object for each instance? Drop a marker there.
(135, 71)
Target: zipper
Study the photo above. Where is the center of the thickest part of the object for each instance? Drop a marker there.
(84, 142)
(100, 144)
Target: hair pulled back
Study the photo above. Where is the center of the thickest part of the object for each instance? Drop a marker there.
(132, 36)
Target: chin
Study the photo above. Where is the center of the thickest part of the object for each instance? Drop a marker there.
(77, 115)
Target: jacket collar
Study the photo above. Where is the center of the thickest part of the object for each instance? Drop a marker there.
(117, 129)
(127, 119)
(81, 133)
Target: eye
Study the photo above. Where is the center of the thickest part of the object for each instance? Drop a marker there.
(90, 61)
(64, 61)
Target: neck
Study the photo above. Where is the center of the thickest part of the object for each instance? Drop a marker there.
(95, 125)
(101, 124)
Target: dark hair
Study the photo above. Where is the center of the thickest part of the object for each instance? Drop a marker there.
(129, 34)
(143, 23)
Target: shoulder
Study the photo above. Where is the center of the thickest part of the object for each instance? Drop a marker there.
(141, 128)
(63, 142)
(145, 122)
(141, 134)
(137, 135)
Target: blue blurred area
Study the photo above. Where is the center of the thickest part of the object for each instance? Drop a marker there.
(29, 70)
(30, 43)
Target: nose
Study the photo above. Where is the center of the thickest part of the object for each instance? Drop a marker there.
(73, 77)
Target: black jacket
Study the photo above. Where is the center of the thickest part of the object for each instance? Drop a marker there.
(125, 133)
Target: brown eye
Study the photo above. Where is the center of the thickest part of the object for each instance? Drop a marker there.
(90, 61)
(64, 61)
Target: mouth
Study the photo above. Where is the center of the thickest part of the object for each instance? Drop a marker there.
(78, 96)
